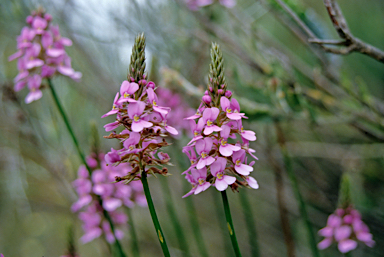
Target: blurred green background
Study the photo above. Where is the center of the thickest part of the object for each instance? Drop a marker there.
(329, 108)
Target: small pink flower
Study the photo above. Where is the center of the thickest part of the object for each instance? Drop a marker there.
(127, 90)
(217, 170)
(225, 148)
(203, 147)
(238, 159)
(209, 117)
(135, 110)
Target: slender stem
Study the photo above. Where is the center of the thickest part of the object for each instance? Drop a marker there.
(251, 226)
(295, 186)
(135, 244)
(174, 219)
(82, 157)
(230, 224)
(221, 220)
(152, 210)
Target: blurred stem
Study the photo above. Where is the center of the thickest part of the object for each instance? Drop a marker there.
(302, 206)
(152, 210)
(174, 219)
(288, 238)
(231, 229)
(135, 244)
(251, 226)
(82, 157)
(191, 210)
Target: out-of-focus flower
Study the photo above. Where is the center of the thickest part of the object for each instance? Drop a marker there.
(113, 196)
(41, 54)
(219, 161)
(139, 112)
(345, 228)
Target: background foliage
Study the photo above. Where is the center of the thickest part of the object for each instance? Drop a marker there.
(329, 108)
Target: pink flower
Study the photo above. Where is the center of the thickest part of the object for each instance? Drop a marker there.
(209, 117)
(40, 52)
(200, 176)
(203, 147)
(197, 129)
(238, 159)
(217, 170)
(226, 106)
(127, 90)
(152, 98)
(115, 107)
(345, 227)
(226, 149)
(135, 110)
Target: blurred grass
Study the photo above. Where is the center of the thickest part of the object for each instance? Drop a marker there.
(38, 161)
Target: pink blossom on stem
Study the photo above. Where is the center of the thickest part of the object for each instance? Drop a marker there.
(346, 228)
(40, 51)
(217, 170)
(209, 118)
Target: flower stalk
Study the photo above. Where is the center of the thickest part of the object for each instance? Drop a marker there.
(82, 157)
(231, 228)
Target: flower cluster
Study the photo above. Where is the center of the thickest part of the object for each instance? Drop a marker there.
(195, 5)
(41, 54)
(214, 159)
(345, 227)
(144, 121)
(113, 196)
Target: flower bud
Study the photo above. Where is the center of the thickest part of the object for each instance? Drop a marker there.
(206, 92)
(210, 89)
(220, 91)
(48, 17)
(29, 19)
(151, 85)
(228, 93)
(207, 99)
(222, 85)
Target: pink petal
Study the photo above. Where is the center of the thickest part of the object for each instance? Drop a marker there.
(342, 232)
(229, 179)
(221, 185)
(225, 150)
(33, 96)
(347, 245)
(91, 234)
(252, 182)
(171, 130)
(326, 232)
(111, 204)
(243, 169)
(325, 243)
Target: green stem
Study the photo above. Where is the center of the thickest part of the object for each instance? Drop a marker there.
(152, 210)
(82, 157)
(231, 229)
(295, 186)
(174, 219)
(221, 219)
(135, 244)
(251, 226)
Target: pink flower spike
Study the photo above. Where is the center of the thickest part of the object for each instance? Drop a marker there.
(115, 107)
(135, 110)
(203, 147)
(226, 149)
(127, 89)
(200, 176)
(209, 117)
(152, 98)
(346, 245)
(226, 106)
(238, 159)
(39, 24)
(252, 182)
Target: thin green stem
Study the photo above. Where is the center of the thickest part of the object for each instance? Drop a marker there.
(251, 226)
(82, 157)
(231, 229)
(222, 220)
(174, 219)
(295, 186)
(135, 242)
(152, 210)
